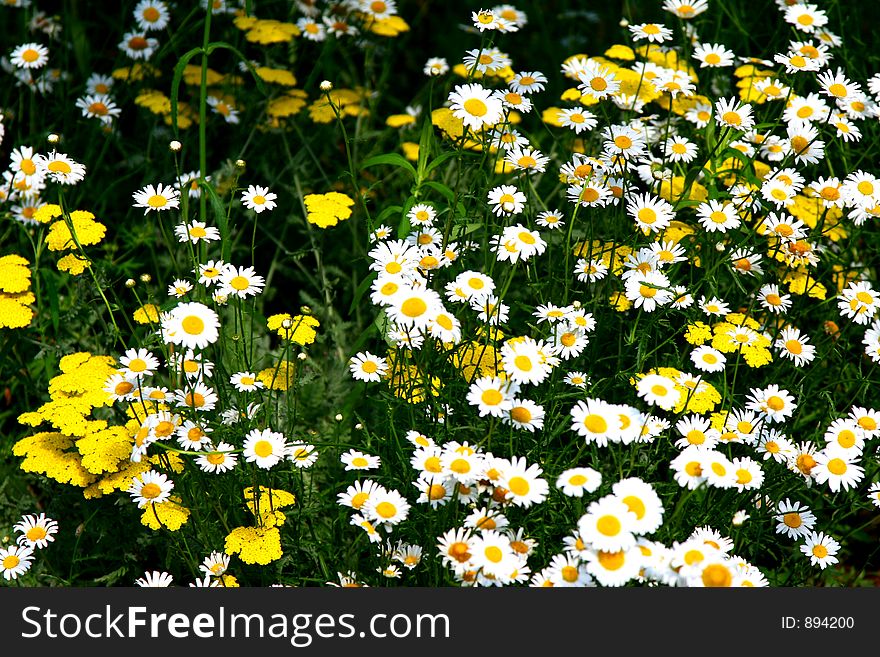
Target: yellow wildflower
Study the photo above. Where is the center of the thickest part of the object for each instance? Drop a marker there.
(261, 545)
(170, 515)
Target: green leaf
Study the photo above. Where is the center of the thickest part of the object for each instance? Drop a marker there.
(175, 85)
(222, 220)
(437, 161)
(391, 159)
(440, 188)
(361, 290)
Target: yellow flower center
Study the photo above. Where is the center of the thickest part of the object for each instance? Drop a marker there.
(386, 510)
(475, 107)
(59, 166)
(151, 491)
(595, 424)
(608, 525)
(263, 448)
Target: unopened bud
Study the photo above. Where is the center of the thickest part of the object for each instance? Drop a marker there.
(53, 138)
(175, 145)
(145, 278)
(326, 86)
(130, 283)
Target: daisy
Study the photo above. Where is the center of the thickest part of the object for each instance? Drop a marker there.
(686, 9)
(874, 494)
(414, 309)
(642, 501)
(679, 149)
(486, 60)
(36, 531)
(157, 198)
(60, 168)
(795, 346)
(552, 219)
(221, 459)
(821, 549)
(100, 107)
(15, 560)
(365, 366)
(859, 302)
(191, 325)
(772, 300)
(506, 200)
(651, 213)
(837, 467)
(773, 403)
(356, 460)
(589, 194)
(576, 379)
(713, 55)
(653, 32)
(196, 232)
(796, 63)
(658, 390)
(687, 467)
(574, 482)
(264, 447)
(718, 216)
(868, 420)
(150, 487)
(29, 56)
(525, 414)
(616, 567)
(745, 262)
(597, 81)
(577, 119)
(748, 473)
(846, 435)
(215, 564)
(312, 29)
(803, 143)
(596, 421)
(387, 506)
(155, 579)
(795, 520)
(258, 198)
(588, 271)
(191, 436)
(246, 382)
(527, 361)
(422, 214)
(475, 106)
(648, 291)
(718, 469)
(527, 82)
(772, 89)
(527, 159)
(524, 484)
(138, 46)
(707, 359)
(733, 114)
(151, 15)
(435, 66)
(699, 115)
(696, 431)
(240, 282)
(358, 494)
(805, 17)
(608, 525)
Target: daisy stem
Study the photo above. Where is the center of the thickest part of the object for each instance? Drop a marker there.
(203, 115)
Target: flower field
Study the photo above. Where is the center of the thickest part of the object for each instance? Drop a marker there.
(417, 293)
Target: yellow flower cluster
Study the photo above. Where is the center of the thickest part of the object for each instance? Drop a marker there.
(266, 31)
(280, 377)
(276, 76)
(726, 338)
(81, 451)
(68, 233)
(158, 103)
(260, 545)
(266, 503)
(298, 328)
(287, 104)
(346, 101)
(170, 515)
(406, 380)
(473, 357)
(328, 209)
(15, 294)
(146, 314)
